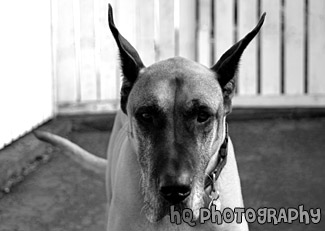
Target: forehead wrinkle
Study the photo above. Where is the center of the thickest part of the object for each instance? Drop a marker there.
(178, 82)
(200, 92)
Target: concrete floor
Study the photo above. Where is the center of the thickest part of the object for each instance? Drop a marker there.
(281, 164)
(59, 196)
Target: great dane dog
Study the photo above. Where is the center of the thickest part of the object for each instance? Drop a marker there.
(169, 142)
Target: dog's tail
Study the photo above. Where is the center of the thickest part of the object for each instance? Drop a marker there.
(76, 153)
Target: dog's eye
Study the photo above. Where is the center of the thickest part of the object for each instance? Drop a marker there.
(146, 117)
(203, 117)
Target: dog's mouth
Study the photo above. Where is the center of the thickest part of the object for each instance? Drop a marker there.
(157, 207)
(156, 213)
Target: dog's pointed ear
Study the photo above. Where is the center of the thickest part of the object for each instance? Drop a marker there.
(227, 65)
(131, 63)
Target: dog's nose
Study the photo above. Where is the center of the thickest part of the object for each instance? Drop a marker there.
(175, 194)
(175, 189)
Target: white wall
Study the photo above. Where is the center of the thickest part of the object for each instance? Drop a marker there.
(26, 84)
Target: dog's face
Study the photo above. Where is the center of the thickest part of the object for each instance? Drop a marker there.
(176, 113)
(176, 110)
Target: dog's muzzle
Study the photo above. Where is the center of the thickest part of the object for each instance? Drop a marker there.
(175, 189)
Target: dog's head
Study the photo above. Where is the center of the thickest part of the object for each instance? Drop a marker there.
(176, 111)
